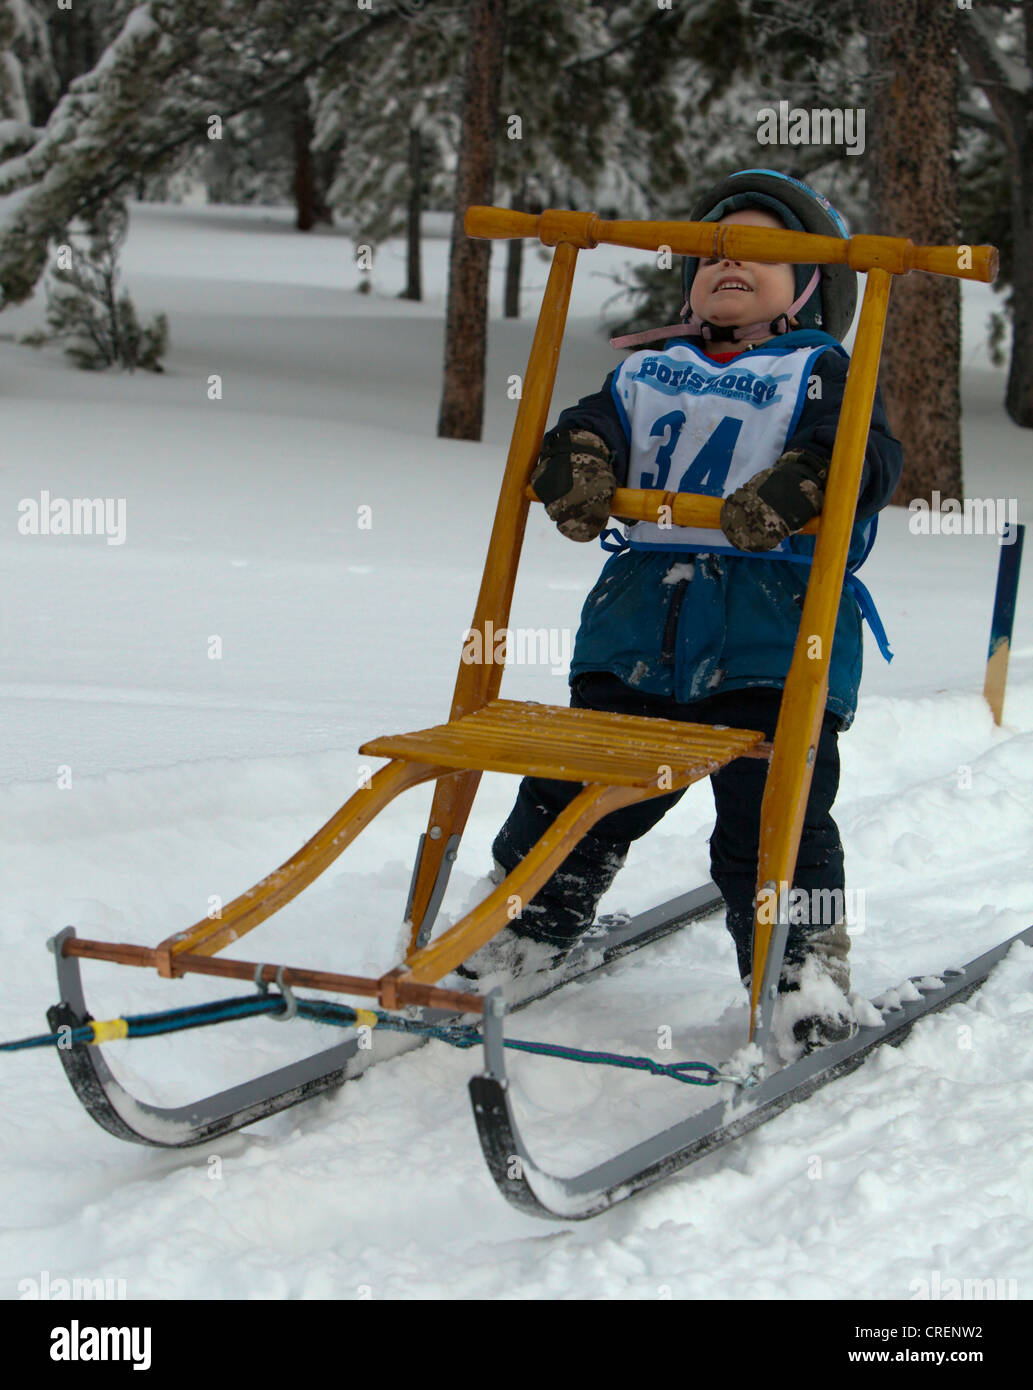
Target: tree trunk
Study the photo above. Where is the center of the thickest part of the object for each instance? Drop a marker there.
(305, 199)
(466, 316)
(912, 135)
(1018, 399)
(515, 258)
(414, 284)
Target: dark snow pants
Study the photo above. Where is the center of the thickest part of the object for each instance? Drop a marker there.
(565, 906)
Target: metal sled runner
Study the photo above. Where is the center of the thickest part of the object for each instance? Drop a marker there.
(618, 759)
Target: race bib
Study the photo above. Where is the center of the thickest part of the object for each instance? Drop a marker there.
(695, 425)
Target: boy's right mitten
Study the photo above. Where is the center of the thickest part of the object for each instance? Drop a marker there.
(574, 477)
(776, 502)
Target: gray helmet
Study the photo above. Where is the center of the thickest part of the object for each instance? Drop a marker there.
(831, 305)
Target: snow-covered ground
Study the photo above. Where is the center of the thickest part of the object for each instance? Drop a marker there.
(141, 772)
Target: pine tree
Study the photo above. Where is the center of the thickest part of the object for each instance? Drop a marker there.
(554, 147)
(252, 160)
(98, 324)
(174, 73)
(714, 68)
(389, 127)
(997, 47)
(985, 210)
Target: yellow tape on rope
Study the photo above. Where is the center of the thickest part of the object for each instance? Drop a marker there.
(110, 1030)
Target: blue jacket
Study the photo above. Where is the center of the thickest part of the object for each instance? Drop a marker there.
(687, 626)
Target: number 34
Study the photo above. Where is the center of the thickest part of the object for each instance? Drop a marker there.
(708, 470)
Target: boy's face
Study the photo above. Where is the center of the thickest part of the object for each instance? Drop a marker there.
(733, 293)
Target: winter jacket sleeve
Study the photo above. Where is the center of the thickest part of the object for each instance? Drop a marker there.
(816, 430)
(598, 412)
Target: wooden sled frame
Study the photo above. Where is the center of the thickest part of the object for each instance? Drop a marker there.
(619, 759)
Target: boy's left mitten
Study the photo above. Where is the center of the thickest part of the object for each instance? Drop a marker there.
(776, 502)
(574, 477)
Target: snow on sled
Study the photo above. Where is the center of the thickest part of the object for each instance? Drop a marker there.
(618, 759)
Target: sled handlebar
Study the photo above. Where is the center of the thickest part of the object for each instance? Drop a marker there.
(682, 508)
(898, 255)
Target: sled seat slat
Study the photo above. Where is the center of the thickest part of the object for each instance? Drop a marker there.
(575, 745)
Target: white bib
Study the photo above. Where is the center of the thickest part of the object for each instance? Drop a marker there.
(695, 425)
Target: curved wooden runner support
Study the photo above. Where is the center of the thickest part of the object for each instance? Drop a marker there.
(245, 912)
(488, 917)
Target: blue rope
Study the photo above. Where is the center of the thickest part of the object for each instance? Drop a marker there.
(342, 1016)
(170, 1021)
(616, 1059)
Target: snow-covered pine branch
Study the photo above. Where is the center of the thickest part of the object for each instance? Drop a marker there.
(154, 90)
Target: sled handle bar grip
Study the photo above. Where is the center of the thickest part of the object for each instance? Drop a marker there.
(898, 255)
(685, 508)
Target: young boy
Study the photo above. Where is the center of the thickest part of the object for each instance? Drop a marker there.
(741, 401)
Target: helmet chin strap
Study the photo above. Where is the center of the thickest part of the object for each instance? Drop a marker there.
(718, 333)
(721, 333)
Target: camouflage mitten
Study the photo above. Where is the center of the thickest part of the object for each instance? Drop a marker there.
(776, 502)
(574, 477)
